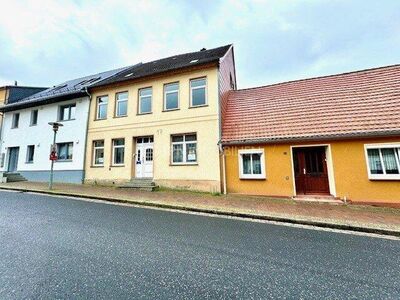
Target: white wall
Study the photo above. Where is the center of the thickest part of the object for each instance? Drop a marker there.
(41, 136)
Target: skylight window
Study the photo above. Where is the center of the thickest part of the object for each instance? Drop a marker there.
(130, 74)
(59, 87)
(194, 61)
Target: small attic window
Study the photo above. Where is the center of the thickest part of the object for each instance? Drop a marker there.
(130, 74)
(194, 61)
(59, 87)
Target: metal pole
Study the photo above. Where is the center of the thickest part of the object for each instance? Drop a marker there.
(52, 162)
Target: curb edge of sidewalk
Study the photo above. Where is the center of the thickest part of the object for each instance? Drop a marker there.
(321, 224)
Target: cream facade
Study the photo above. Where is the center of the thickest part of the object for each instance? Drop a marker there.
(157, 130)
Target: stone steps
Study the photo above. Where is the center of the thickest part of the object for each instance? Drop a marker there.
(318, 199)
(143, 184)
(14, 177)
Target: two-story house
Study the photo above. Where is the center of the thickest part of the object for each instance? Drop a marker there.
(28, 136)
(161, 121)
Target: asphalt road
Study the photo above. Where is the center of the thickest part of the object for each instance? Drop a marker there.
(63, 248)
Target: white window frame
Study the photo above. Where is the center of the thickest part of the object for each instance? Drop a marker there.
(113, 151)
(58, 152)
(383, 176)
(98, 104)
(145, 96)
(37, 117)
(94, 152)
(118, 102)
(184, 143)
(14, 116)
(170, 92)
(61, 111)
(198, 87)
(262, 158)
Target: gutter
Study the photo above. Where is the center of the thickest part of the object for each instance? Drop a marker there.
(86, 135)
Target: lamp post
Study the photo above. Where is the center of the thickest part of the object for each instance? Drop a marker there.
(53, 153)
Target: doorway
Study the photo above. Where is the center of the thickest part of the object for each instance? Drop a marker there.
(12, 159)
(144, 157)
(310, 170)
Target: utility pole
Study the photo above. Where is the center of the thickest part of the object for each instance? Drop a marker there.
(53, 153)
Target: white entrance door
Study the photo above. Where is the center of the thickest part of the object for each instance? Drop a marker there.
(144, 157)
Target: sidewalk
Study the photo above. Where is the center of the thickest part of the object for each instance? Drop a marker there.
(351, 217)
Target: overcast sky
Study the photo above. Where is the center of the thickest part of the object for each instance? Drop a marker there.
(46, 42)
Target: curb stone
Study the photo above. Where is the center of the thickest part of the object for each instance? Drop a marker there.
(321, 224)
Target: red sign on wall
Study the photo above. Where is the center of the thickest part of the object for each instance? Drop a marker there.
(53, 155)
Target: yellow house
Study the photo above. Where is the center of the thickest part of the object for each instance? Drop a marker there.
(333, 137)
(161, 121)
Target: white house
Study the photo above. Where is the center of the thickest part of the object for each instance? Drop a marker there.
(27, 135)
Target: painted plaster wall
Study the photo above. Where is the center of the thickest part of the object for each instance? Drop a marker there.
(41, 136)
(160, 124)
(349, 170)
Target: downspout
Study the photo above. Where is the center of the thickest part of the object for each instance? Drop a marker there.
(221, 149)
(1, 141)
(86, 136)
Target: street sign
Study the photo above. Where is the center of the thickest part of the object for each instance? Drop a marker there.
(53, 153)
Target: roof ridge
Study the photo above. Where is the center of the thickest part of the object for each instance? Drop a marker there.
(318, 77)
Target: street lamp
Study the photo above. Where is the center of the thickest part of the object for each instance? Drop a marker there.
(53, 153)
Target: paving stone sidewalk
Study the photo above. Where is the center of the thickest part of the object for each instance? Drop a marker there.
(368, 217)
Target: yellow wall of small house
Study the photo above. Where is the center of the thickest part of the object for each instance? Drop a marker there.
(160, 124)
(2, 101)
(349, 170)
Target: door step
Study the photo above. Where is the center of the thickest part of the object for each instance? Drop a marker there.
(14, 177)
(318, 199)
(143, 184)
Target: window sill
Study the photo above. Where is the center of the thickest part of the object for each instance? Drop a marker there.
(183, 164)
(29, 162)
(61, 121)
(118, 117)
(63, 160)
(241, 177)
(117, 166)
(142, 114)
(99, 166)
(32, 125)
(384, 177)
(173, 109)
(197, 106)
(14, 127)
(100, 119)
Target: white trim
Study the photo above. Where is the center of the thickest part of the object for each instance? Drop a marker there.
(118, 101)
(113, 152)
(329, 166)
(183, 143)
(94, 153)
(262, 161)
(145, 96)
(102, 104)
(379, 146)
(196, 88)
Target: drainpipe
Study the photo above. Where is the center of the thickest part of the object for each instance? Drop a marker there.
(221, 149)
(86, 135)
(1, 138)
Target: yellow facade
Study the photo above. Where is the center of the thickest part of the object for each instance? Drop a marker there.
(203, 121)
(346, 160)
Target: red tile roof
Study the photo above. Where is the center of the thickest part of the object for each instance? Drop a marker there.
(361, 103)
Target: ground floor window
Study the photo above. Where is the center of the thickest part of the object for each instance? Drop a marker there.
(118, 151)
(251, 164)
(184, 148)
(64, 151)
(383, 161)
(30, 153)
(98, 153)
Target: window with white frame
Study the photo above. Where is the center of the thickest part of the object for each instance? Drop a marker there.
(184, 149)
(118, 151)
(64, 151)
(67, 112)
(171, 96)
(198, 92)
(383, 161)
(34, 117)
(145, 96)
(101, 109)
(15, 120)
(121, 104)
(251, 164)
(30, 153)
(98, 153)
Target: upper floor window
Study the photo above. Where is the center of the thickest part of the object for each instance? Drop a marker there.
(198, 94)
(171, 96)
(15, 120)
(184, 149)
(67, 112)
(98, 153)
(102, 104)
(383, 161)
(121, 104)
(64, 151)
(145, 96)
(251, 164)
(30, 153)
(34, 117)
(118, 151)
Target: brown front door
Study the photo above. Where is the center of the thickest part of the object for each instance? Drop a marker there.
(310, 170)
